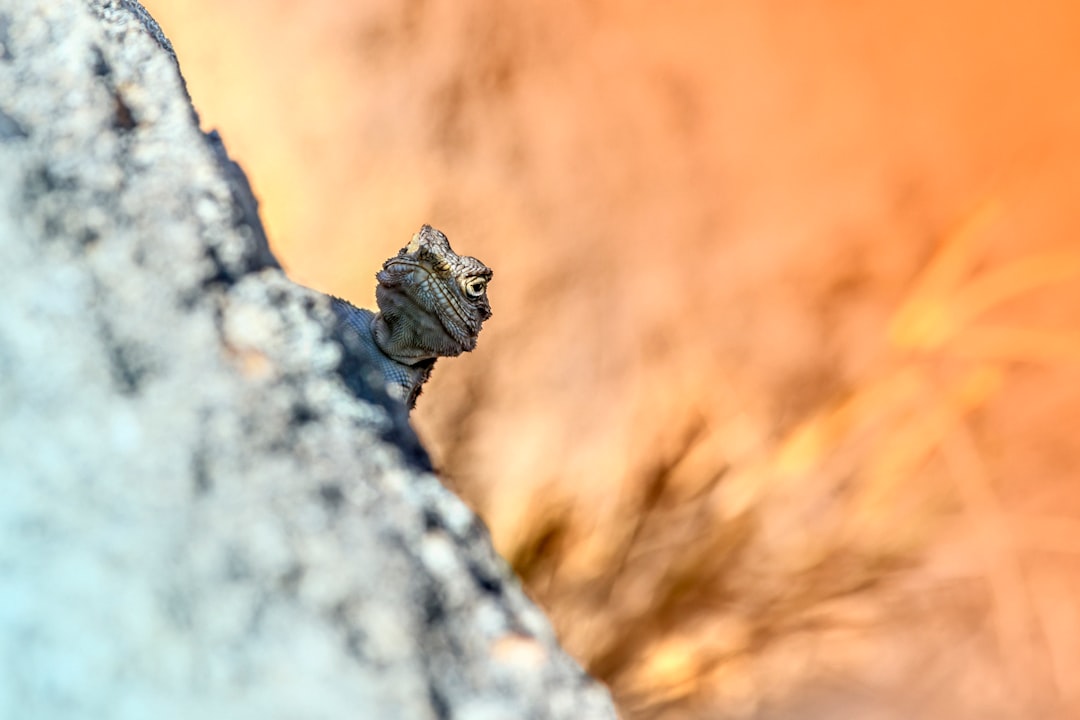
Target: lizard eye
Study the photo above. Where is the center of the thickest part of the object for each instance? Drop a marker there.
(474, 287)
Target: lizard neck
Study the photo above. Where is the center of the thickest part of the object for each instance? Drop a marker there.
(395, 345)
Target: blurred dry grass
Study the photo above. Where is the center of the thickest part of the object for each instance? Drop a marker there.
(776, 412)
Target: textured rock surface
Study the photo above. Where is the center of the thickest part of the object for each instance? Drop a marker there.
(199, 519)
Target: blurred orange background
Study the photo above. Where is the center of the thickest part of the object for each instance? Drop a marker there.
(776, 413)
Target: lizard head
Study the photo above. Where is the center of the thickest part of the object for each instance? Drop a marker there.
(433, 300)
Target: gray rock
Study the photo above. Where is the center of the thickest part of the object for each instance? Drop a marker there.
(199, 517)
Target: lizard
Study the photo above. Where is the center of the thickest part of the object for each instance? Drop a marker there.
(432, 303)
